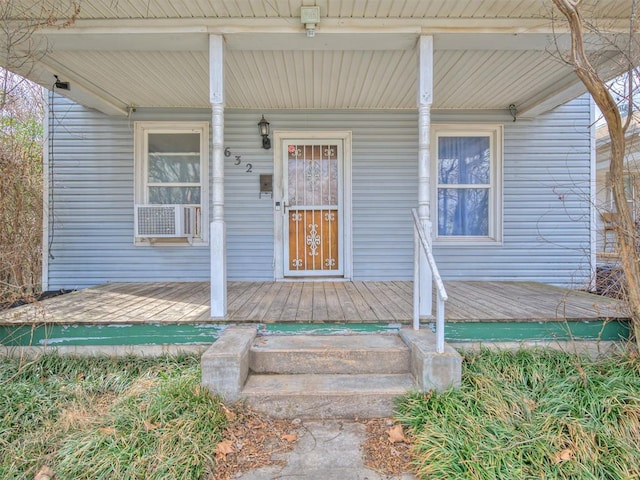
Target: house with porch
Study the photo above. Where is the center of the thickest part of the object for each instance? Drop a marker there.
(281, 144)
(156, 169)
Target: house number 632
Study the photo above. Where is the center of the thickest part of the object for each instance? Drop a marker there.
(238, 160)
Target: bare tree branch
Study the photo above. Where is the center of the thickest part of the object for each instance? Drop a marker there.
(626, 227)
(632, 28)
(21, 136)
(19, 50)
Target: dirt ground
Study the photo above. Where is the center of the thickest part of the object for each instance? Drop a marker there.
(252, 440)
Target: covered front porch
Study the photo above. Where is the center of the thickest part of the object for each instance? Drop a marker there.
(341, 302)
(227, 70)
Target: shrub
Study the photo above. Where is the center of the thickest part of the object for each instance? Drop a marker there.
(21, 110)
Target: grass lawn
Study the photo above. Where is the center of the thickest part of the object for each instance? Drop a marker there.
(532, 414)
(103, 418)
(525, 415)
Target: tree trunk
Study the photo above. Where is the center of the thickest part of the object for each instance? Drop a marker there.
(626, 228)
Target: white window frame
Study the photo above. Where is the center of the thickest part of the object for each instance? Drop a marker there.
(141, 158)
(495, 132)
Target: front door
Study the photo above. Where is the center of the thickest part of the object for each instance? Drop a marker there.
(313, 213)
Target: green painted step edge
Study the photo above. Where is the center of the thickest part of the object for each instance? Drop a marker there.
(159, 334)
(549, 331)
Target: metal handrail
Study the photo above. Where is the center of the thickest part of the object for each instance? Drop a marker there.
(420, 240)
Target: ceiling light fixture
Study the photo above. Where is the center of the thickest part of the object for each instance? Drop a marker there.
(310, 17)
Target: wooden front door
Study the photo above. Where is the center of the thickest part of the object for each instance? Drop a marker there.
(313, 212)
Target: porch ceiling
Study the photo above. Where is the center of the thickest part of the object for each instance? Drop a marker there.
(487, 55)
(381, 9)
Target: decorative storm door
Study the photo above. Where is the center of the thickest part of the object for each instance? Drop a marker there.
(313, 216)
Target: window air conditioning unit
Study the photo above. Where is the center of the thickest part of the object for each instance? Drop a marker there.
(167, 221)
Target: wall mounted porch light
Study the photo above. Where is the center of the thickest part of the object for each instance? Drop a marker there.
(59, 84)
(263, 126)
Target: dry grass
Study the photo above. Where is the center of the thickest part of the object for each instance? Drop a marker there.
(89, 418)
(528, 414)
(531, 414)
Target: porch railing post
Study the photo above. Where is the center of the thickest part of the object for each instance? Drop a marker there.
(440, 324)
(422, 243)
(425, 98)
(218, 229)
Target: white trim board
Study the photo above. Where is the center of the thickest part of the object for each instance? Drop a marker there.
(46, 191)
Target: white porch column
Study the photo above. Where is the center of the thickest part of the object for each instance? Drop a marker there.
(425, 98)
(218, 241)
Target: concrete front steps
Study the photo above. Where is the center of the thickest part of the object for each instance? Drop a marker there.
(325, 376)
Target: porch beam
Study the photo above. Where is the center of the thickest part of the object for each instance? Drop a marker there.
(218, 229)
(356, 25)
(89, 95)
(549, 100)
(332, 38)
(565, 89)
(424, 101)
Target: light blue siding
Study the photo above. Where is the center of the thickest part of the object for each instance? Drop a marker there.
(92, 222)
(546, 205)
(546, 208)
(384, 173)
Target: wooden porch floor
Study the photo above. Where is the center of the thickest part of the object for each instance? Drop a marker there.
(313, 302)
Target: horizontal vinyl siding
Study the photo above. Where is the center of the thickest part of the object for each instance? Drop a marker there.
(546, 205)
(249, 218)
(385, 173)
(384, 186)
(92, 224)
(546, 173)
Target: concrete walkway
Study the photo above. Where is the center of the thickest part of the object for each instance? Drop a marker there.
(325, 450)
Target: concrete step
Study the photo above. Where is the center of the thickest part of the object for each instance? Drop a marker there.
(339, 376)
(326, 395)
(340, 354)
